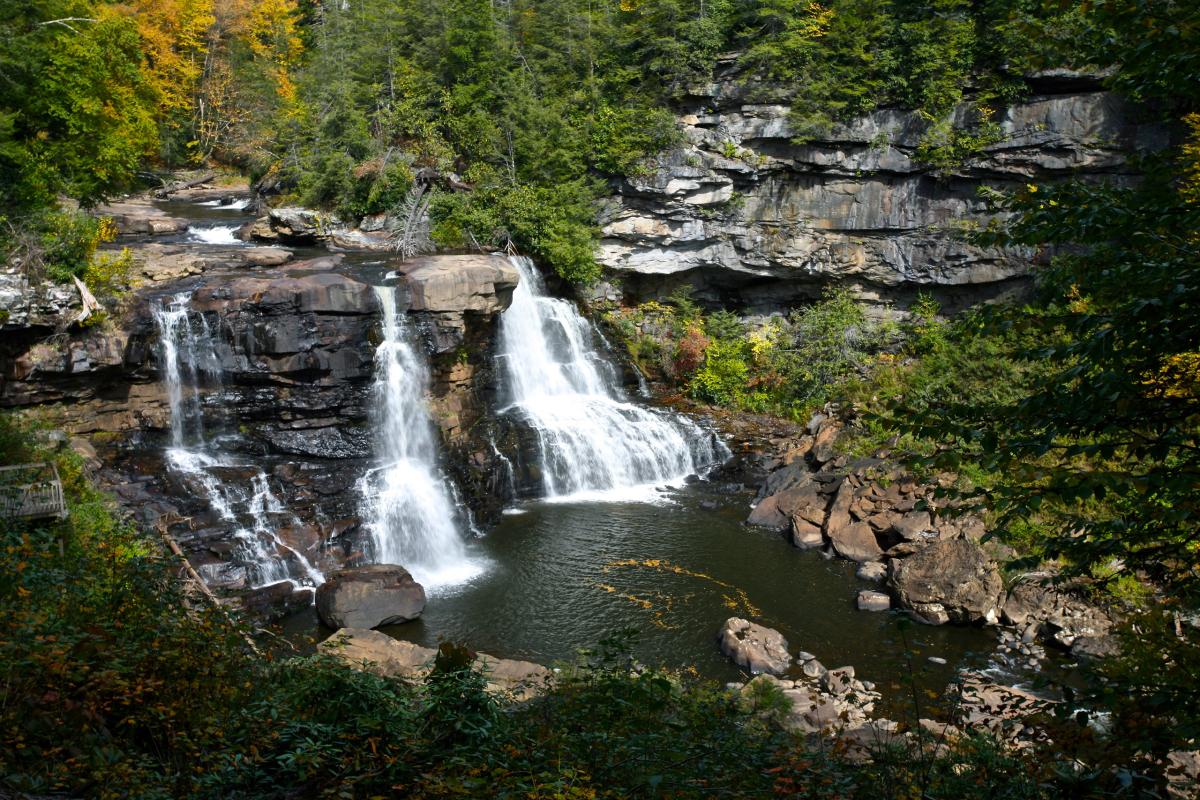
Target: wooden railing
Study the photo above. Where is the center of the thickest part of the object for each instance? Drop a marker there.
(31, 491)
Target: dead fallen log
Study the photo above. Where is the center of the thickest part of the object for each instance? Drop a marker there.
(178, 186)
(196, 583)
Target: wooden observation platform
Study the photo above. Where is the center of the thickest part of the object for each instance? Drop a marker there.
(31, 491)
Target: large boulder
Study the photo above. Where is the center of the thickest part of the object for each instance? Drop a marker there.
(370, 596)
(302, 225)
(754, 647)
(949, 581)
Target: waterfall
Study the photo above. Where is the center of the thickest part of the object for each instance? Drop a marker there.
(412, 518)
(593, 442)
(187, 360)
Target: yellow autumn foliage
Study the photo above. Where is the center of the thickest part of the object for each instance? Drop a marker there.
(1190, 162)
(174, 38)
(1177, 378)
(272, 34)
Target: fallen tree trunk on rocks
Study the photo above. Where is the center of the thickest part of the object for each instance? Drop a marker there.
(179, 186)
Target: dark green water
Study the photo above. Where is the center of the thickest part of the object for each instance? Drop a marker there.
(562, 576)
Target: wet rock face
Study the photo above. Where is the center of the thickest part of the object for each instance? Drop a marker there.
(296, 358)
(749, 218)
(949, 581)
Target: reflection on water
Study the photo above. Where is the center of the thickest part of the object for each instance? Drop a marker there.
(565, 576)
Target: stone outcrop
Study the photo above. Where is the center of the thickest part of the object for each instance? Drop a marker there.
(754, 647)
(753, 219)
(949, 581)
(447, 290)
(35, 305)
(369, 596)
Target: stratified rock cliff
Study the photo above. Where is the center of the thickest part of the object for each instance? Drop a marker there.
(748, 217)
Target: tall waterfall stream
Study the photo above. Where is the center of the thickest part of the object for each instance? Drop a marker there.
(409, 502)
(188, 361)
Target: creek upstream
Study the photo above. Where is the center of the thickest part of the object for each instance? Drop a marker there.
(671, 562)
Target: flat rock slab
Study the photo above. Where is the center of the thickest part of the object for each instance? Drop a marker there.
(456, 284)
(520, 680)
(159, 263)
(141, 218)
(381, 654)
(370, 596)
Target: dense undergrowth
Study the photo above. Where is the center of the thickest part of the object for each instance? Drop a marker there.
(114, 683)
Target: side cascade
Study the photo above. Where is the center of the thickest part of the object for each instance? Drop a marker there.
(409, 501)
(188, 360)
(593, 442)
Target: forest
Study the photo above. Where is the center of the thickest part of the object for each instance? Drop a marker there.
(1067, 416)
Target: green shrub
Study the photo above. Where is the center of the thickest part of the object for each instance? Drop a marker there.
(552, 224)
(723, 378)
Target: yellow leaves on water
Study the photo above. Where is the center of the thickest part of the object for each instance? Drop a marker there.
(733, 597)
(660, 605)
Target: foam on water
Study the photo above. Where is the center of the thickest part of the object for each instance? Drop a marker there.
(217, 234)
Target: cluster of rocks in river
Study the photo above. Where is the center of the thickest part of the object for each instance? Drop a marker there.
(930, 560)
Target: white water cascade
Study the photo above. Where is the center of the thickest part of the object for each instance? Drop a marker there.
(217, 234)
(593, 442)
(188, 360)
(412, 517)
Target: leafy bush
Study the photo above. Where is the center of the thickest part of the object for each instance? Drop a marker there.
(553, 224)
